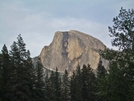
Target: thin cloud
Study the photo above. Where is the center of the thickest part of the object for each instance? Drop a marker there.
(38, 21)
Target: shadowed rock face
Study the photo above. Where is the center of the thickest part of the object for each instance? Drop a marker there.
(70, 48)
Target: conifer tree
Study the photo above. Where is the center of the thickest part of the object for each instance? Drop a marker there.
(39, 82)
(73, 87)
(78, 82)
(119, 82)
(123, 37)
(65, 87)
(88, 81)
(21, 66)
(101, 71)
(101, 79)
(81, 87)
(6, 74)
(52, 86)
(57, 86)
(48, 90)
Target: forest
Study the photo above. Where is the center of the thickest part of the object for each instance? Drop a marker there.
(21, 81)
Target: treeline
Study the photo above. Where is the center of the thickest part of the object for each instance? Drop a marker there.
(21, 81)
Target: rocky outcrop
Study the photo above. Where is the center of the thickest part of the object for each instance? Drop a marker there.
(70, 48)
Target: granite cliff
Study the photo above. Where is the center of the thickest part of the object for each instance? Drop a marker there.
(70, 48)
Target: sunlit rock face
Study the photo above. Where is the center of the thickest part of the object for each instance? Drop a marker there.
(70, 49)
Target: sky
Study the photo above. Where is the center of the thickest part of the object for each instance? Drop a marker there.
(38, 20)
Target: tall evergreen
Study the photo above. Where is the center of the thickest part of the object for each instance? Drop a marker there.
(39, 82)
(53, 86)
(48, 89)
(65, 87)
(73, 88)
(88, 81)
(101, 79)
(82, 84)
(101, 71)
(22, 66)
(78, 84)
(119, 82)
(57, 86)
(6, 74)
(122, 32)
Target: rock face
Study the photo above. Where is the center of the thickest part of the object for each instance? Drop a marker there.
(70, 48)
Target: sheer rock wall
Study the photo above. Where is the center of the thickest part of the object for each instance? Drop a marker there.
(70, 48)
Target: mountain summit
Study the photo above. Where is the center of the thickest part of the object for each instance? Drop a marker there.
(70, 49)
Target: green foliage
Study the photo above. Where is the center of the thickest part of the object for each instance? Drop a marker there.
(123, 30)
(19, 57)
(101, 71)
(118, 84)
(17, 73)
(53, 87)
(88, 80)
(65, 87)
(39, 82)
(82, 84)
(6, 74)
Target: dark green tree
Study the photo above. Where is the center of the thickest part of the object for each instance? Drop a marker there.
(78, 84)
(119, 82)
(53, 86)
(101, 71)
(82, 84)
(6, 74)
(123, 37)
(73, 87)
(65, 87)
(48, 89)
(113, 86)
(21, 75)
(123, 30)
(88, 80)
(57, 86)
(39, 82)
(100, 80)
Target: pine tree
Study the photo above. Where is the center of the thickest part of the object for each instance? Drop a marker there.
(21, 75)
(48, 89)
(123, 37)
(53, 87)
(123, 30)
(88, 81)
(119, 82)
(78, 83)
(57, 86)
(6, 74)
(39, 82)
(65, 87)
(101, 79)
(101, 71)
(73, 87)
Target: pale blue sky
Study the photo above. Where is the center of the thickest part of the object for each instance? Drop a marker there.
(38, 20)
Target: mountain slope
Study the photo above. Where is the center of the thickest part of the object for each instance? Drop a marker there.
(70, 48)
